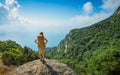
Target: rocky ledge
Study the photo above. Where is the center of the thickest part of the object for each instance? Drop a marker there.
(38, 67)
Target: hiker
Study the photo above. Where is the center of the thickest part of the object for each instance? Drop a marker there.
(41, 41)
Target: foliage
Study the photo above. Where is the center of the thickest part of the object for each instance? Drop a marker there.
(93, 50)
(13, 54)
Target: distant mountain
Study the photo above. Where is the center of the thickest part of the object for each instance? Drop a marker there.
(93, 50)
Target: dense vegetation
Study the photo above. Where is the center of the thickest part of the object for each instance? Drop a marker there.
(93, 50)
(50, 51)
(13, 54)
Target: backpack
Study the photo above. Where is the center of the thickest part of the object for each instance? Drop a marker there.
(41, 40)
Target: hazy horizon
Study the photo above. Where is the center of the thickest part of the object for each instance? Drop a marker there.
(22, 20)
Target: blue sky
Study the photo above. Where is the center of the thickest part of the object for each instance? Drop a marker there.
(22, 20)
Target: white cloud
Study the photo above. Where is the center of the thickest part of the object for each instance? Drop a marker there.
(1, 5)
(84, 19)
(88, 7)
(9, 13)
(3, 14)
(14, 18)
(110, 4)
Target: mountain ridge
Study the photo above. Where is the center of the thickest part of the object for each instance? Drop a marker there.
(93, 50)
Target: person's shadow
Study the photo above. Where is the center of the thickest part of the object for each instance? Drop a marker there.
(51, 70)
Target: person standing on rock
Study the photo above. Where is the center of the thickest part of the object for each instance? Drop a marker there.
(41, 42)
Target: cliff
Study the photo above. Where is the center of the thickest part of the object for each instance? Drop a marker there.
(92, 50)
(117, 12)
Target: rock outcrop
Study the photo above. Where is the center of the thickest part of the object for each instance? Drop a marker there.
(37, 67)
(117, 12)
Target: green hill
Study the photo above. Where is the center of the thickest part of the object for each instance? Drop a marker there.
(93, 50)
(13, 54)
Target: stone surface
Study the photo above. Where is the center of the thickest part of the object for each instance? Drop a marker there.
(37, 67)
(117, 12)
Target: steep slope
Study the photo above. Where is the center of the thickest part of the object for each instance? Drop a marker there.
(93, 50)
(117, 12)
(36, 67)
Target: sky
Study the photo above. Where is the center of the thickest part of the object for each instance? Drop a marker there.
(23, 20)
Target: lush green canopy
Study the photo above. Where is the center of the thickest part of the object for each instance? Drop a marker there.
(93, 50)
(13, 54)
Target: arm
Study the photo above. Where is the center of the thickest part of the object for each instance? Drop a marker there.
(45, 40)
(36, 41)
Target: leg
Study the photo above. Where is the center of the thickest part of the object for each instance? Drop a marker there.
(43, 52)
(40, 55)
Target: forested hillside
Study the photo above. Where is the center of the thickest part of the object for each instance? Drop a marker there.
(93, 50)
(13, 54)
